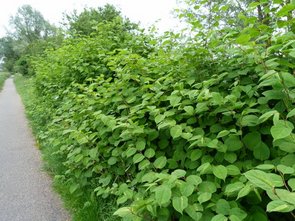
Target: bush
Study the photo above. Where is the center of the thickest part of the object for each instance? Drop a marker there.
(173, 131)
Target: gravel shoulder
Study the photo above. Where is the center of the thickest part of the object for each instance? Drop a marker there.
(25, 190)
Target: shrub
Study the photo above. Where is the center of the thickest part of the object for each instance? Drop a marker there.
(174, 131)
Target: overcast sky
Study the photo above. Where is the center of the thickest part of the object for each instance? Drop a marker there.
(144, 11)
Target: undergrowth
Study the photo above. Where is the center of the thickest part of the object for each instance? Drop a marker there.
(3, 77)
(100, 210)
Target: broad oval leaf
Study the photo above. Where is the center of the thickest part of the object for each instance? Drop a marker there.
(138, 158)
(176, 131)
(160, 162)
(281, 130)
(220, 172)
(163, 194)
(279, 206)
(180, 203)
(265, 181)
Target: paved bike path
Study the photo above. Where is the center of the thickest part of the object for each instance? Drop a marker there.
(25, 190)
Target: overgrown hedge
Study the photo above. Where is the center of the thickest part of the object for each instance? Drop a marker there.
(172, 131)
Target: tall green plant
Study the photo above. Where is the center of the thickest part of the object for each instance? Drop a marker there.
(175, 128)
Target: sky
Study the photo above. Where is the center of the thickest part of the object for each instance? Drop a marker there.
(147, 12)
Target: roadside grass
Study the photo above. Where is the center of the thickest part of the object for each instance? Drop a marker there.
(82, 208)
(3, 77)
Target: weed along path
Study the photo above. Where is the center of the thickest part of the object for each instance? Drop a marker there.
(25, 191)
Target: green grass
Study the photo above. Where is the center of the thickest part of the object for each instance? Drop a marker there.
(3, 77)
(82, 208)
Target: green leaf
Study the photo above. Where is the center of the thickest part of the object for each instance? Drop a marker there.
(149, 177)
(258, 214)
(222, 207)
(159, 118)
(219, 217)
(292, 54)
(264, 117)
(236, 211)
(194, 179)
(279, 206)
(191, 211)
(281, 129)
(204, 168)
(265, 181)
(149, 153)
(130, 151)
(74, 187)
(123, 212)
(291, 183)
(233, 170)
(186, 189)
(252, 139)
(291, 113)
(243, 39)
(233, 188)
(196, 154)
(176, 131)
(286, 144)
(233, 143)
(285, 10)
(138, 158)
(179, 173)
(249, 120)
(265, 167)
(93, 153)
(160, 162)
(261, 151)
(286, 196)
(244, 191)
(143, 164)
(122, 199)
(140, 144)
(234, 218)
(189, 110)
(180, 203)
(112, 161)
(204, 197)
(220, 172)
(274, 94)
(230, 157)
(223, 133)
(288, 160)
(289, 79)
(285, 169)
(207, 186)
(174, 100)
(163, 194)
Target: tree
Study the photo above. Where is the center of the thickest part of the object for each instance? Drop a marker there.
(219, 14)
(29, 25)
(85, 22)
(30, 34)
(7, 52)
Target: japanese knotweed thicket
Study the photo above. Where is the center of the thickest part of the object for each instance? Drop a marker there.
(173, 130)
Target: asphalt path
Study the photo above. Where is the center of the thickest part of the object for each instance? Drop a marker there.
(25, 190)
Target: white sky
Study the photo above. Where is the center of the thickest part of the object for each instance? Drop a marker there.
(147, 12)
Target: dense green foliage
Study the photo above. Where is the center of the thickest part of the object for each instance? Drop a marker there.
(84, 23)
(30, 34)
(3, 77)
(199, 127)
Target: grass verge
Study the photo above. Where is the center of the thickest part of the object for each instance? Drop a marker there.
(83, 208)
(3, 77)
